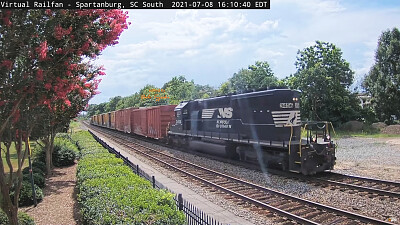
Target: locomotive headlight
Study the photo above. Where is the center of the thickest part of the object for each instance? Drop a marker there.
(295, 99)
(328, 137)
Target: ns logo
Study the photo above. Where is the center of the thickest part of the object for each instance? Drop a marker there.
(225, 113)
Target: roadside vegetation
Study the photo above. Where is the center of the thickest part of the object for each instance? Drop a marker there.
(110, 193)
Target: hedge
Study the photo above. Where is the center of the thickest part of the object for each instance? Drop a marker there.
(23, 218)
(65, 152)
(110, 193)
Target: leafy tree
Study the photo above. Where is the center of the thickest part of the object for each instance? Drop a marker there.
(179, 89)
(256, 76)
(225, 88)
(91, 110)
(129, 101)
(112, 104)
(101, 108)
(383, 79)
(152, 96)
(324, 77)
(204, 91)
(43, 79)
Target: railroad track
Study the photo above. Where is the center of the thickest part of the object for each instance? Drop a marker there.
(375, 187)
(294, 208)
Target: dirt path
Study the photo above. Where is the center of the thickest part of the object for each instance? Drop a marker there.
(59, 205)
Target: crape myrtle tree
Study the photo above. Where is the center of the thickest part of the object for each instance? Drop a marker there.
(383, 79)
(324, 77)
(46, 75)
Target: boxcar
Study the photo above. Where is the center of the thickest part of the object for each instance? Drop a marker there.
(127, 119)
(119, 120)
(158, 120)
(106, 120)
(112, 120)
(139, 121)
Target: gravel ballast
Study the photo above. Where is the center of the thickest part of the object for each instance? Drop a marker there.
(371, 157)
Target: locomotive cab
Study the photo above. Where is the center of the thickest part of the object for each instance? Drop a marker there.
(317, 150)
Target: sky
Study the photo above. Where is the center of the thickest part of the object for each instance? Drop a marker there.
(209, 46)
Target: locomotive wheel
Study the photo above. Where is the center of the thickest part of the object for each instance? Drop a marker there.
(231, 152)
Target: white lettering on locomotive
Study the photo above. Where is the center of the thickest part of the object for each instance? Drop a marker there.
(284, 105)
(225, 113)
(223, 124)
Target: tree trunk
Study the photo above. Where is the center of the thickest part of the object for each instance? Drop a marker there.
(48, 159)
(49, 147)
(48, 156)
(8, 205)
(11, 212)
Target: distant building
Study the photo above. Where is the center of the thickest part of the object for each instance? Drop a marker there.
(365, 99)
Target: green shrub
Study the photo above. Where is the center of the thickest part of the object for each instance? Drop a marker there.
(65, 136)
(38, 179)
(23, 219)
(39, 155)
(63, 156)
(110, 193)
(65, 152)
(34, 170)
(40, 165)
(25, 195)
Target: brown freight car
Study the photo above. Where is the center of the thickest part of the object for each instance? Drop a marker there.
(106, 120)
(158, 120)
(139, 121)
(127, 119)
(112, 120)
(119, 120)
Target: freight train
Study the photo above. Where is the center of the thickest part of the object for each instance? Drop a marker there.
(263, 127)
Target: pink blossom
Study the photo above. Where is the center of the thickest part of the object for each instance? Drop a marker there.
(42, 50)
(7, 64)
(39, 75)
(100, 32)
(47, 86)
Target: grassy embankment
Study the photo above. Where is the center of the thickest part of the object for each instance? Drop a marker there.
(368, 133)
(14, 157)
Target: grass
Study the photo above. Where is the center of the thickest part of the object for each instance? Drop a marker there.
(74, 126)
(13, 157)
(341, 134)
(368, 133)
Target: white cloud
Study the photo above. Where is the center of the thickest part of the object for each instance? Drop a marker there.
(210, 45)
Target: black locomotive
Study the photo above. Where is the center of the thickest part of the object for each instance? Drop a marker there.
(261, 126)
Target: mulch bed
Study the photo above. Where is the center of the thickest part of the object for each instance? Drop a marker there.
(59, 205)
